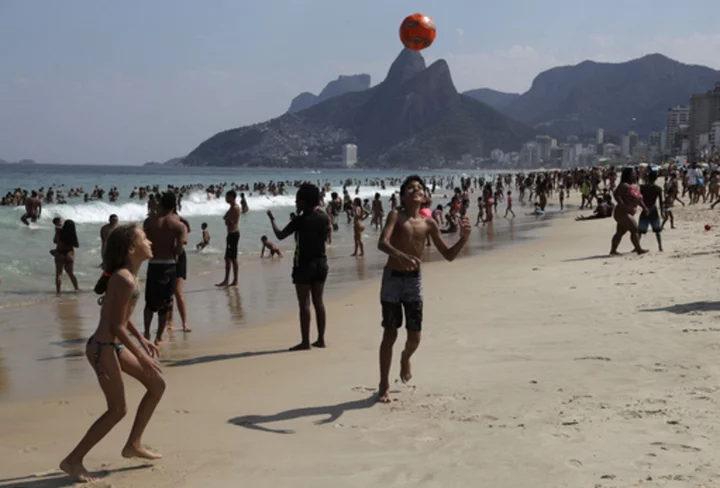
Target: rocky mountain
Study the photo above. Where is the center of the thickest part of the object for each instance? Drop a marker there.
(414, 117)
(169, 162)
(344, 84)
(496, 99)
(618, 97)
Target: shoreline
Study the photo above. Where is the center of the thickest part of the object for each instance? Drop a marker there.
(542, 365)
(44, 343)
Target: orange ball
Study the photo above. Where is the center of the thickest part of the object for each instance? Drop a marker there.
(417, 32)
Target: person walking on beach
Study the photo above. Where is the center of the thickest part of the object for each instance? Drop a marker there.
(33, 208)
(650, 217)
(232, 217)
(181, 271)
(105, 231)
(310, 268)
(168, 236)
(65, 241)
(127, 248)
(359, 215)
(403, 240)
(628, 198)
(509, 209)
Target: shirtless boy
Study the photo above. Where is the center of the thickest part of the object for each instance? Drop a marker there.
(233, 239)
(33, 208)
(168, 236)
(652, 194)
(105, 232)
(205, 236)
(272, 248)
(403, 240)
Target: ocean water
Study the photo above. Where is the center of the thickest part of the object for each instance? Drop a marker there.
(27, 269)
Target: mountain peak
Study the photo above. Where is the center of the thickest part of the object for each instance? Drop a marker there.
(343, 84)
(406, 65)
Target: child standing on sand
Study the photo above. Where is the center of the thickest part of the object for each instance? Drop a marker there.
(509, 209)
(403, 239)
(127, 248)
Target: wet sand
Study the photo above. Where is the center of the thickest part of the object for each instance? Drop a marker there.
(42, 346)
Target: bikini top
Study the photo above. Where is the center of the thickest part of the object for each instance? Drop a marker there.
(133, 298)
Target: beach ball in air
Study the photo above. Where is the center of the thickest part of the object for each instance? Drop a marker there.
(417, 32)
(708, 227)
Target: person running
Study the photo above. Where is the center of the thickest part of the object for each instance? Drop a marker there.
(105, 231)
(310, 267)
(127, 248)
(628, 198)
(403, 240)
(66, 241)
(168, 236)
(653, 198)
(33, 208)
(232, 217)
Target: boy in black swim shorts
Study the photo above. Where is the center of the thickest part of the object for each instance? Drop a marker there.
(403, 240)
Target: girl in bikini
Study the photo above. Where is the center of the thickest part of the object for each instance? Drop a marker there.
(628, 199)
(359, 215)
(65, 241)
(127, 248)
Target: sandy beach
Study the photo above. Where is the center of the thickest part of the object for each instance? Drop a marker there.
(547, 364)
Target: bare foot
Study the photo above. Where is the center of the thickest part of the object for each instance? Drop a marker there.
(405, 373)
(300, 347)
(642, 251)
(222, 284)
(76, 471)
(186, 328)
(319, 343)
(615, 253)
(353, 255)
(384, 395)
(234, 283)
(169, 326)
(158, 341)
(139, 452)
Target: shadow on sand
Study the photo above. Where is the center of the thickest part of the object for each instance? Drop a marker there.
(221, 357)
(683, 308)
(588, 258)
(58, 479)
(332, 413)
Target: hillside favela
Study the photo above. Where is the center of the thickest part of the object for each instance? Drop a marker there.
(316, 244)
(571, 116)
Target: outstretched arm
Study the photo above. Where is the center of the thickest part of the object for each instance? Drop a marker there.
(282, 233)
(449, 253)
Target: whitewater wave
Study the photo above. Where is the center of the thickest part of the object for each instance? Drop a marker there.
(196, 204)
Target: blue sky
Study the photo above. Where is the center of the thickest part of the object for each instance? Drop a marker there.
(128, 81)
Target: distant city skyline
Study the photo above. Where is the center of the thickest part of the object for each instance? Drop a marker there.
(87, 82)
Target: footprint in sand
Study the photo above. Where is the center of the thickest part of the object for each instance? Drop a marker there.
(676, 447)
(363, 389)
(575, 463)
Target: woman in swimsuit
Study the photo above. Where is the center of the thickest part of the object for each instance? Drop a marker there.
(127, 248)
(65, 241)
(359, 214)
(628, 199)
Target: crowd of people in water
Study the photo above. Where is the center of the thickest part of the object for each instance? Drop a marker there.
(418, 216)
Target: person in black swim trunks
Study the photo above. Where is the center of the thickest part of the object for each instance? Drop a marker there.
(168, 235)
(181, 271)
(310, 269)
(231, 218)
(127, 248)
(403, 240)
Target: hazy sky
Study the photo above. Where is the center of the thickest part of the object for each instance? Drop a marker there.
(128, 81)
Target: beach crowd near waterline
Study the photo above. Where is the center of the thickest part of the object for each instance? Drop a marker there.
(695, 195)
